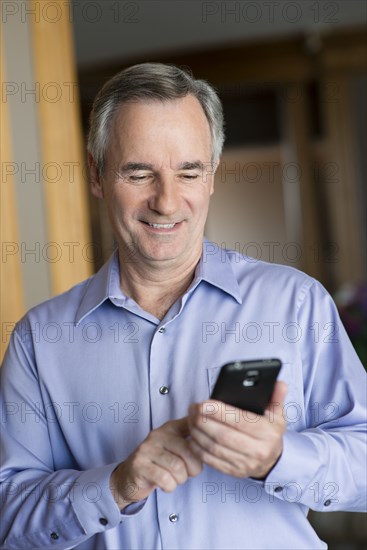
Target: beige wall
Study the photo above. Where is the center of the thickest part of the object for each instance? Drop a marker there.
(24, 169)
(42, 183)
(247, 208)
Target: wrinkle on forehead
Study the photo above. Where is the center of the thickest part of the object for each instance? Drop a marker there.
(139, 126)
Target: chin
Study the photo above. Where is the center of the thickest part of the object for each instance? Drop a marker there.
(163, 253)
(162, 257)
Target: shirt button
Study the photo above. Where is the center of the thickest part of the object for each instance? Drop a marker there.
(163, 390)
(173, 518)
(162, 330)
(103, 521)
(327, 502)
(278, 489)
(54, 536)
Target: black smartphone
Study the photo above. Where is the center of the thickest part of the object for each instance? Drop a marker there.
(247, 385)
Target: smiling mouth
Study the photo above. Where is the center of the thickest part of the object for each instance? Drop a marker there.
(161, 225)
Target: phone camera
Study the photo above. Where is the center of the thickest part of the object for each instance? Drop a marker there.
(252, 378)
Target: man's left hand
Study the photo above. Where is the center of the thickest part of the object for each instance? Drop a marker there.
(237, 442)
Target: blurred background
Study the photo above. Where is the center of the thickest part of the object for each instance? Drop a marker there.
(291, 187)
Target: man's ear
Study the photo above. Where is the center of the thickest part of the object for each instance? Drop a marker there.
(95, 178)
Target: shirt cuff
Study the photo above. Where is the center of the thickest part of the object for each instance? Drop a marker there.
(293, 477)
(93, 502)
(134, 508)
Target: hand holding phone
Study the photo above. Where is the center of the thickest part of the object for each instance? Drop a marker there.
(247, 385)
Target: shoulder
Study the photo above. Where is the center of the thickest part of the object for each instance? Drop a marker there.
(271, 279)
(62, 307)
(253, 267)
(80, 299)
(44, 323)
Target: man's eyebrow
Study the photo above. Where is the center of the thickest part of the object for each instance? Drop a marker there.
(194, 165)
(134, 166)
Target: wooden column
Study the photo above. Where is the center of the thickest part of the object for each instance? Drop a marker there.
(65, 187)
(343, 191)
(299, 192)
(12, 296)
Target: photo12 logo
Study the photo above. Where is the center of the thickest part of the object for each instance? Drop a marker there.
(271, 12)
(117, 11)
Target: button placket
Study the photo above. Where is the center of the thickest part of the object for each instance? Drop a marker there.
(163, 390)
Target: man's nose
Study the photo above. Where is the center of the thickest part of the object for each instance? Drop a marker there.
(165, 196)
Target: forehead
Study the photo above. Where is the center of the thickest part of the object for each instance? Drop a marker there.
(189, 106)
(160, 133)
(154, 118)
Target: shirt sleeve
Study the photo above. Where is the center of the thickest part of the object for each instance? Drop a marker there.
(43, 508)
(324, 465)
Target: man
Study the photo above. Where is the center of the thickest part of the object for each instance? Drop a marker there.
(110, 439)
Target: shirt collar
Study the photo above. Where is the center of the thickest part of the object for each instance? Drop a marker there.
(214, 267)
(97, 288)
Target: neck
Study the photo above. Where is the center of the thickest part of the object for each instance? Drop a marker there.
(156, 286)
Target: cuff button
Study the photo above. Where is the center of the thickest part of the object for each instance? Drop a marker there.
(54, 536)
(103, 521)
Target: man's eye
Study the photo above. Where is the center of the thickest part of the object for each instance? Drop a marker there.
(190, 176)
(138, 178)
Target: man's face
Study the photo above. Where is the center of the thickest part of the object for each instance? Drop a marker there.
(158, 180)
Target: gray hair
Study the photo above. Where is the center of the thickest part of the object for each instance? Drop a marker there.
(151, 81)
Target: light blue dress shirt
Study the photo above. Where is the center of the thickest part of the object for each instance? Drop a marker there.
(85, 379)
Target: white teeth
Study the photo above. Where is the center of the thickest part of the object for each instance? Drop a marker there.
(162, 225)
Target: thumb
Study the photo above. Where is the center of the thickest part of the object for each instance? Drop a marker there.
(278, 396)
(180, 427)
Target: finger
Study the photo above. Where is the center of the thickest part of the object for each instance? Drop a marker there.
(158, 466)
(231, 465)
(180, 448)
(215, 410)
(141, 474)
(217, 438)
(171, 463)
(221, 427)
(179, 427)
(242, 453)
(157, 476)
(274, 410)
(279, 393)
(202, 414)
(177, 443)
(226, 443)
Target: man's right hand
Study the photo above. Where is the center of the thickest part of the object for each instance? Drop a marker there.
(163, 460)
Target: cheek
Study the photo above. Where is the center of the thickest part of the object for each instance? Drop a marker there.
(121, 199)
(199, 196)
(204, 202)
(117, 204)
